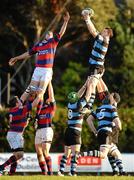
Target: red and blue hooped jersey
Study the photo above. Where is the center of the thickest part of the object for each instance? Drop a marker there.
(19, 118)
(46, 115)
(45, 52)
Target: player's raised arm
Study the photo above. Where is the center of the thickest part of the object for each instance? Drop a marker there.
(66, 18)
(23, 56)
(87, 13)
(51, 92)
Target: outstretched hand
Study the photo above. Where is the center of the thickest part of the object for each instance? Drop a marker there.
(12, 61)
(66, 16)
(85, 16)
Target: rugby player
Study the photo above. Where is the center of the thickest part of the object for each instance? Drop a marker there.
(114, 155)
(45, 51)
(107, 116)
(44, 133)
(97, 57)
(109, 126)
(18, 121)
(72, 137)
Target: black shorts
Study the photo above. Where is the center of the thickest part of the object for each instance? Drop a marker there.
(95, 69)
(72, 137)
(104, 137)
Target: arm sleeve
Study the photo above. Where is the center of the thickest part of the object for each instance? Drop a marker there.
(57, 37)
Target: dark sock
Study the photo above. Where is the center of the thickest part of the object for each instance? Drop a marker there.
(49, 165)
(112, 162)
(11, 160)
(43, 167)
(63, 163)
(13, 168)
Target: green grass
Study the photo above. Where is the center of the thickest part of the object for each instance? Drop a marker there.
(39, 177)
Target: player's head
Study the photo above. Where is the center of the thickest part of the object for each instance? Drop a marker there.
(107, 32)
(15, 101)
(73, 97)
(112, 99)
(116, 98)
(49, 35)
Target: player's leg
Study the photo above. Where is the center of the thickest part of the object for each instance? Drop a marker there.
(74, 158)
(63, 161)
(104, 139)
(112, 160)
(33, 86)
(118, 159)
(91, 83)
(45, 78)
(90, 91)
(39, 151)
(102, 90)
(47, 137)
(16, 143)
(67, 151)
(75, 148)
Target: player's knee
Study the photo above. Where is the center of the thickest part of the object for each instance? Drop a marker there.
(40, 92)
(39, 155)
(46, 153)
(103, 155)
(19, 155)
(116, 154)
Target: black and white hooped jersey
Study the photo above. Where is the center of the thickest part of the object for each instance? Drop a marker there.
(75, 117)
(105, 115)
(99, 51)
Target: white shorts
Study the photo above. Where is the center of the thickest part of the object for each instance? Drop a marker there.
(44, 135)
(15, 140)
(42, 74)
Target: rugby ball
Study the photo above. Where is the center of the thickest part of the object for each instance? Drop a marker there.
(87, 11)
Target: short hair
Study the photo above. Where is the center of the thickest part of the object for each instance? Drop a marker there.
(13, 102)
(110, 31)
(116, 97)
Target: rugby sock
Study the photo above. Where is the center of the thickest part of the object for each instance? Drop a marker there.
(91, 101)
(82, 103)
(43, 167)
(63, 163)
(49, 165)
(13, 168)
(112, 162)
(120, 165)
(74, 161)
(11, 160)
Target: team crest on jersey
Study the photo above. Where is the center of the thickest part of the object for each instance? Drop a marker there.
(43, 52)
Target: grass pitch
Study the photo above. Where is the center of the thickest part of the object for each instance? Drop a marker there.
(40, 177)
